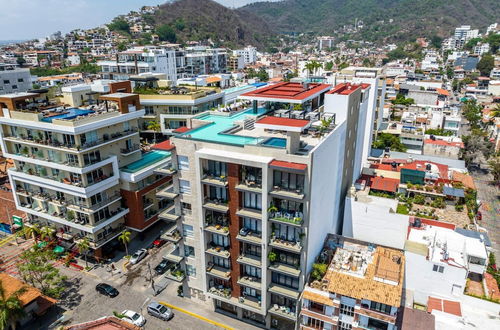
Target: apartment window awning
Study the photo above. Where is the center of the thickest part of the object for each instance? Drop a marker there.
(278, 164)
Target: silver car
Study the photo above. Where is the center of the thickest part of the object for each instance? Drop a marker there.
(138, 256)
(160, 311)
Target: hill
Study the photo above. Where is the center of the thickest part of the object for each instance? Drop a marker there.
(206, 19)
(411, 18)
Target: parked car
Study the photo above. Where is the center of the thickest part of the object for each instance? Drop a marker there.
(138, 256)
(159, 242)
(106, 289)
(162, 312)
(133, 317)
(479, 216)
(163, 266)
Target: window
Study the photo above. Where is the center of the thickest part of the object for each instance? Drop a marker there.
(220, 240)
(6, 82)
(288, 258)
(92, 157)
(217, 168)
(187, 230)
(250, 292)
(14, 86)
(284, 280)
(253, 224)
(188, 251)
(288, 233)
(217, 193)
(313, 323)
(20, 80)
(221, 262)
(253, 250)
(346, 310)
(252, 200)
(183, 162)
(379, 307)
(437, 268)
(289, 181)
(345, 326)
(184, 187)
(149, 110)
(126, 126)
(191, 270)
(252, 271)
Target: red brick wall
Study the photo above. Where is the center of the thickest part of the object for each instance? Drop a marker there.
(133, 200)
(234, 205)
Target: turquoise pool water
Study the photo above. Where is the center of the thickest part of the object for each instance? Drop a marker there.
(69, 114)
(275, 142)
(214, 132)
(147, 159)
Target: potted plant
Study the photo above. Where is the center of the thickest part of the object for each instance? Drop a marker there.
(225, 229)
(272, 256)
(25, 151)
(272, 209)
(180, 291)
(70, 216)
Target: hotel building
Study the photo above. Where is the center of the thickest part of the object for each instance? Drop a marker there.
(361, 289)
(256, 192)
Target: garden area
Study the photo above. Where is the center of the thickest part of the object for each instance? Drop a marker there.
(430, 202)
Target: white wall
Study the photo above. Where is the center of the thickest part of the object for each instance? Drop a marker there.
(425, 282)
(326, 180)
(372, 222)
(364, 134)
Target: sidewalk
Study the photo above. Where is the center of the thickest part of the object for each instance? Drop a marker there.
(203, 309)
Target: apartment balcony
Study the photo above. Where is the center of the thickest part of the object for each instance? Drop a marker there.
(77, 206)
(283, 311)
(283, 192)
(250, 186)
(216, 228)
(167, 191)
(284, 291)
(169, 214)
(172, 254)
(289, 218)
(218, 205)
(250, 302)
(219, 272)
(169, 169)
(246, 235)
(172, 235)
(285, 269)
(250, 281)
(130, 150)
(217, 250)
(214, 180)
(249, 213)
(370, 313)
(292, 246)
(110, 235)
(175, 275)
(220, 291)
(250, 260)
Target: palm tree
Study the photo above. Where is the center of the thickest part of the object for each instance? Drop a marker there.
(45, 232)
(154, 126)
(83, 247)
(309, 67)
(32, 231)
(125, 239)
(11, 308)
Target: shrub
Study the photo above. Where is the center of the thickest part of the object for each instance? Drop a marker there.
(318, 271)
(419, 199)
(459, 207)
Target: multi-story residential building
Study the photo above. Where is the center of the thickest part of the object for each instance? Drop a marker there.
(481, 48)
(14, 79)
(141, 60)
(248, 53)
(362, 287)
(463, 34)
(202, 61)
(325, 42)
(68, 164)
(255, 195)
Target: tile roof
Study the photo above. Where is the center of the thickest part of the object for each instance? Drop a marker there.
(104, 323)
(441, 91)
(447, 306)
(318, 297)
(466, 179)
(286, 122)
(414, 319)
(182, 129)
(444, 143)
(368, 287)
(345, 89)
(288, 91)
(11, 284)
(165, 145)
(384, 184)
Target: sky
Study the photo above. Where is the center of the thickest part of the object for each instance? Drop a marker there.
(30, 19)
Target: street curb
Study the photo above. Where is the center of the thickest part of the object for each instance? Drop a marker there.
(197, 316)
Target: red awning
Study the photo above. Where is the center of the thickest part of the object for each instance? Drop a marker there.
(182, 129)
(288, 165)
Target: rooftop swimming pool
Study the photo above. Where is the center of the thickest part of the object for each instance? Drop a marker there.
(214, 132)
(147, 159)
(68, 114)
(275, 142)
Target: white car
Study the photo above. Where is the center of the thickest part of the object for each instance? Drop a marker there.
(138, 256)
(133, 317)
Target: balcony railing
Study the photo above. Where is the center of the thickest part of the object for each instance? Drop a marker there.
(286, 244)
(220, 291)
(61, 178)
(131, 149)
(218, 250)
(294, 218)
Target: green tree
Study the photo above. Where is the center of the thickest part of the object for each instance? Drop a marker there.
(125, 238)
(436, 41)
(36, 268)
(472, 111)
(33, 231)
(494, 164)
(119, 25)
(438, 132)
(83, 248)
(166, 33)
(122, 46)
(154, 126)
(402, 100)
(11, 308)
(472, 43)
(312, 67)
(46, 232)
(386, 140)
(486, 64)
(329, 66)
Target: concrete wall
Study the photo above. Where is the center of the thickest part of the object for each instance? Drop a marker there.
(13, 77)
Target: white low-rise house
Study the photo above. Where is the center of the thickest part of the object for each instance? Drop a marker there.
(481, 48)
(439, 259)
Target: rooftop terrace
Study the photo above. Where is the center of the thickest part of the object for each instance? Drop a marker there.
(363, 271)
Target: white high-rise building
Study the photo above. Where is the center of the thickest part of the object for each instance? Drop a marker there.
(249, 54)
(325, 42)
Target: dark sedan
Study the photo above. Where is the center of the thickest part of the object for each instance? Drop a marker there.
(107, 290)
(163, 266)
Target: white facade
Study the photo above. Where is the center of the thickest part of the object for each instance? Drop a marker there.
(481, 48)
(249, 54)
(14, 80)
(325, 42)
